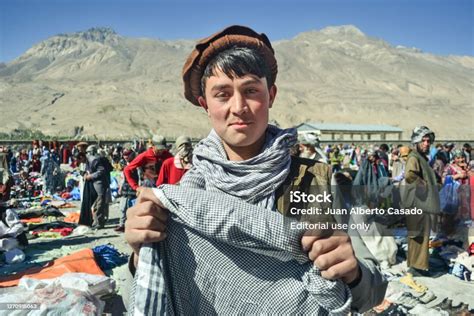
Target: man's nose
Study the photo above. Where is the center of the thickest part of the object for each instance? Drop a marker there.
(239, 104)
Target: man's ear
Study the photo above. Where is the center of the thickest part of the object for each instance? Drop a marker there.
(272, 92)
(203, 104)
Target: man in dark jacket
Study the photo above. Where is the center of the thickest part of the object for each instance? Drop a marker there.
(98, 172)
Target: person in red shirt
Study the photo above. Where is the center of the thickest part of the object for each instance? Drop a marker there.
(155, 155)
(175, 167)
(35, 164)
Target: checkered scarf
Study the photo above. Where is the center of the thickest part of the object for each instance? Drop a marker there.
(229, 254)
(266, 171)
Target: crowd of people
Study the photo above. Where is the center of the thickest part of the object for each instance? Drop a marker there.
(151, 164)
(40, 170)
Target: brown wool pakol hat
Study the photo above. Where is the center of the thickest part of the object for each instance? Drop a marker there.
(207, 48)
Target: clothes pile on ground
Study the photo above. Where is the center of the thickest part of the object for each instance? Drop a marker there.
(12, 237)
(26, 185)
(46, 221)
(408, 294)
(74, 283)
(29, 218)
(72, 181)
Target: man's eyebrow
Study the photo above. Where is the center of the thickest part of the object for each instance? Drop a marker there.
(250, 82)
(220, 87)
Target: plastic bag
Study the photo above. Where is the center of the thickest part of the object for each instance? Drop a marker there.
(449, 196)
(91, 284)
(52, 299)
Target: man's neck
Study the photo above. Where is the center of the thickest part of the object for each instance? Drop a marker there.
(235, 153)
(422, 154)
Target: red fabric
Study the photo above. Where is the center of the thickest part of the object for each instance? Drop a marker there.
(66, 154)
(66, 195)
(63, 231)
(471, 249)
(36, 165)
(141, 160)
(169, 174)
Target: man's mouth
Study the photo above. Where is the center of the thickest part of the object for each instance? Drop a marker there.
(240, 123)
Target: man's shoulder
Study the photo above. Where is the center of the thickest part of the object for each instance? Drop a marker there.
(166, 155)
(302, 166)
(168, 161)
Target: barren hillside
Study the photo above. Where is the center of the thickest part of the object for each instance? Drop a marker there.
(118, 87)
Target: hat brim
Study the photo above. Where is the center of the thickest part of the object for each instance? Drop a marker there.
(207, 48)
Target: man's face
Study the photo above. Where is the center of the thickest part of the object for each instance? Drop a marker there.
(424, 145)
(149, 171)
(238, 108)
(459, 160)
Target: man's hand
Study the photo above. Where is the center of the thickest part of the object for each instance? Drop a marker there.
(139, 190)
(146, 221)
(88, 177)
(333, 255)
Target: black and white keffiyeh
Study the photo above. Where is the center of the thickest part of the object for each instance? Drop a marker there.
(254, 180)
(228, 252)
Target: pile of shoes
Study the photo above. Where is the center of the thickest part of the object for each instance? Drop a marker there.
(459, 309)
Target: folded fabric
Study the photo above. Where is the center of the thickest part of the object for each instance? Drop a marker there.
(58, 232)
(48, 235)
(10, 224)
(81, 261)
(238, 258)
(72, 218)
(8, 243)
(14, 256)
(67, 205)
(46, 211)
(32, 220)
(108, 257)
(52, 225)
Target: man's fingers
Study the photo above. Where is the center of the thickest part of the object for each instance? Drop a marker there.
(307, 242)
(146, 194)
(148, 208)
(148, 223)
(148, 236)
(340, 269)
(333, 257)
(310, 236)
(322, 246)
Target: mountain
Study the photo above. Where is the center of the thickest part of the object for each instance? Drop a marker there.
(97, 82)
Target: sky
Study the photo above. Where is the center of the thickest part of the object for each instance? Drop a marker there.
(442, 27)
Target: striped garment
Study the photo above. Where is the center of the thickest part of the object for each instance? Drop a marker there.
(227, 250)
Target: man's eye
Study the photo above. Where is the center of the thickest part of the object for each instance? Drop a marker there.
(222, 95)
(251, 90)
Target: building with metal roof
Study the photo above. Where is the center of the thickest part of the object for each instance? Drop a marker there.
(337, 131)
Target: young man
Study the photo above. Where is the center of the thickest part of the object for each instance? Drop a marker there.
(227, 248)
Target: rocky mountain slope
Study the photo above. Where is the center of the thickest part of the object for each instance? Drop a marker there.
(98, 83)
